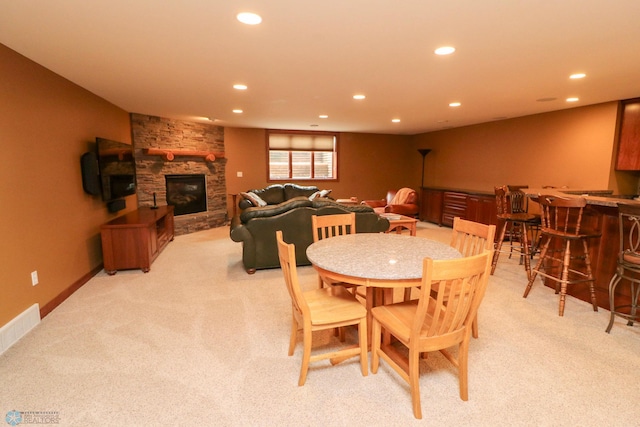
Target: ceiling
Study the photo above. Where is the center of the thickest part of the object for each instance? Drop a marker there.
(180, 59)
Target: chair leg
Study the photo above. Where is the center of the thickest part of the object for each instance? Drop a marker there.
(474, 327)
(293, 336)
(364, 347)
(463, 368)
(612, 307)
(534, 273)
(414, 381)
(306, 357)
(635, 291)
(524, 248)
(592, 287)
(564, 278)
(407, 294)
(496, 254)
(375, 345)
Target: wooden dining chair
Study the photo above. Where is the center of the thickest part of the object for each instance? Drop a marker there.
(433, 323)
(326, 226)
(321, 309)
(471, 238)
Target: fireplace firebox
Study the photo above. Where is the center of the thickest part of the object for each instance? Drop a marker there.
(187, 193)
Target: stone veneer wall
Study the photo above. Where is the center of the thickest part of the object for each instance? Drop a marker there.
(162, 133)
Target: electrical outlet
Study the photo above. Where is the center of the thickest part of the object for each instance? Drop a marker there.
(34, 278)
(239, 174)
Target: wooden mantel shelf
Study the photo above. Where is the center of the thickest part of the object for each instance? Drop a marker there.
(169, 155)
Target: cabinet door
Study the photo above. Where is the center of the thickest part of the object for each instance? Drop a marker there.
(431, 207)
(629, 143)
(481, 209)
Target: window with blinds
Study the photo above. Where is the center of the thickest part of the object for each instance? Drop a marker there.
(302, 155)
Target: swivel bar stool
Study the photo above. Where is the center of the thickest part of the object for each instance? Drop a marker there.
(517, 223)
(628, 265)
(519, 204)
(561, 226)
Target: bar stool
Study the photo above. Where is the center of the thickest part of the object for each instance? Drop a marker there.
(519, 204)
(628, 264)
(561, 225)
(517, 223)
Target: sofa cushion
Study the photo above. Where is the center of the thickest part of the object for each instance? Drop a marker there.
(272, 210)
(294, 190)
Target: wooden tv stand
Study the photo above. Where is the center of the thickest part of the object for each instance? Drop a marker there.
(135, 240)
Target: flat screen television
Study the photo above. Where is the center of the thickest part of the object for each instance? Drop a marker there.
(117, 169)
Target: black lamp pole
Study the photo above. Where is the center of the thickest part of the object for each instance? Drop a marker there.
(424, 152)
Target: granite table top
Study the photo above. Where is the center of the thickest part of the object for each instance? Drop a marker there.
(378, 256)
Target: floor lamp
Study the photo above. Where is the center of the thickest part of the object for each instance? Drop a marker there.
(424, 152)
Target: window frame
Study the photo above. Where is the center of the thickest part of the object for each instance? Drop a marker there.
(335, 152)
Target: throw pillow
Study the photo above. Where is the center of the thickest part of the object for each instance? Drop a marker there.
(315, 195)
(254, 198)
(324, 193)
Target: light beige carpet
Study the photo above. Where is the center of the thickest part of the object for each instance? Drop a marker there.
(198, 342)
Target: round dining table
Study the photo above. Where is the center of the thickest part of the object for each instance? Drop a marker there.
(378, 261)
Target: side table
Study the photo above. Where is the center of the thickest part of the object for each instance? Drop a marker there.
(399, 222)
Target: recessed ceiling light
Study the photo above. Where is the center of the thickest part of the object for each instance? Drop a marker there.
(395, 120)
(359, 97)
(578, 76)
(455, 104)
(323, 116)
(445, 50)
(240, 87)
(573, 99)
(237, 111)
(249, 18)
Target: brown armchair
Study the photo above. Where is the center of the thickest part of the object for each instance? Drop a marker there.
(403, 201)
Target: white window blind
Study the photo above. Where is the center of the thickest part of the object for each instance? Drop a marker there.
(301, 142)
(300, 155)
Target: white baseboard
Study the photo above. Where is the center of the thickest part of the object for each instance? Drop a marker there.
(19, 327)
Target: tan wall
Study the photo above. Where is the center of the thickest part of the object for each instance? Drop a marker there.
(572, 148)
(369, 164)
(47, 222)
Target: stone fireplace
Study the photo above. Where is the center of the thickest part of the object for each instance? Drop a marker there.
(155, 134)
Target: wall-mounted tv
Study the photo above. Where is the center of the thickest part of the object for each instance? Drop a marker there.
(117, 169)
